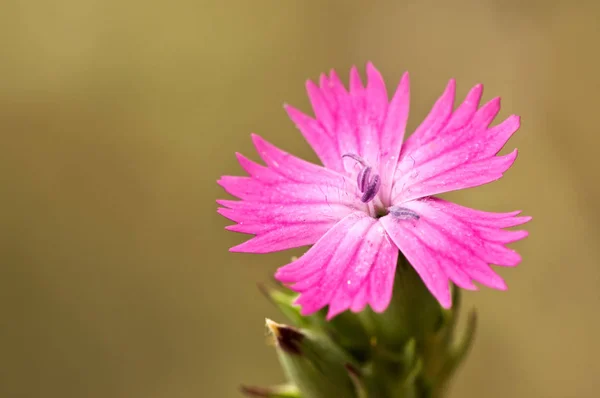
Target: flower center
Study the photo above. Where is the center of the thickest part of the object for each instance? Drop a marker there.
(369, 184)
(367, 181)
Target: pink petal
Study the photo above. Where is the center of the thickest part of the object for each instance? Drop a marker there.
(324, 145)
(351, 265)
(280, 227)
(454, 150)
(435, 120)
(293, 168)
(344, 131)
(376, 94)
(277, 239)
(356, 86)
(365, 129)
(322, 111)
(454, 243)
(452, 173)
(334, 110)
(288, 203)
(326, 90)
(465, 112)
(355, 121)
(392, 135)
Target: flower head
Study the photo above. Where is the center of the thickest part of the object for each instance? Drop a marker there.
(373, 196)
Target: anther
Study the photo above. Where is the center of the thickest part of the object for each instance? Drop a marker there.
(371, 190)
(403, 213)
(368, 183)
(363, 177)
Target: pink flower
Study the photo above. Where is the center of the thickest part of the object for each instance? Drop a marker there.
(373, 196)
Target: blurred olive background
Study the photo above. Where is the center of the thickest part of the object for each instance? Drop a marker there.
(117, 117)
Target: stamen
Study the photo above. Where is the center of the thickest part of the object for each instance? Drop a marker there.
(403, 213)
(367, 182)
(363, 177)
(371, 190)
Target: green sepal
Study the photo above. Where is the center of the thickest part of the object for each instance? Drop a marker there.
(401, 321)
(358, 381)
(445, 334)
(284, 300)
(456, 353)
(346, 329)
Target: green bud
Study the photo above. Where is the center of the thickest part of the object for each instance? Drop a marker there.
(313, 363)
(284, 391)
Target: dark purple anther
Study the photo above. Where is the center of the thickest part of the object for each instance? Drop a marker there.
(403, 213)
(363, 177)
(371, 190)
(367, 182)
